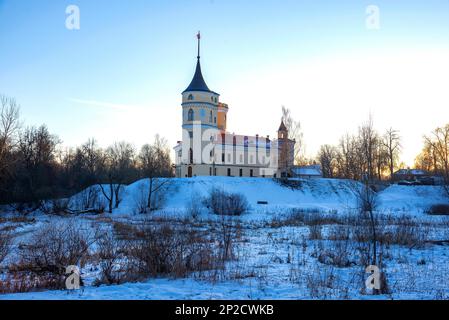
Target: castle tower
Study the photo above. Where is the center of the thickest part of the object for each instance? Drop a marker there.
(222, 116)
(282, 131)
(200, 111)
(283, 150)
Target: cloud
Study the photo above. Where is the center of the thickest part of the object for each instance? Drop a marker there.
(108, 105)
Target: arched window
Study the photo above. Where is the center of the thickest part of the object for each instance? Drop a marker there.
(191, 115)
(190, 97)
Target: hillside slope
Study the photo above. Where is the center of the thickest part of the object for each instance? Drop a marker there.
(317, 194)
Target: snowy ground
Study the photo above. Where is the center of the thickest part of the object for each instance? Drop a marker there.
(276, 258)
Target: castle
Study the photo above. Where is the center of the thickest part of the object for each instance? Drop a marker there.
(207, 149)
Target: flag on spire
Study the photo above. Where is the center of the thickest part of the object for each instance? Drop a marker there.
(199, 40)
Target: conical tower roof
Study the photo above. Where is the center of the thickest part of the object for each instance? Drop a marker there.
(198, 83)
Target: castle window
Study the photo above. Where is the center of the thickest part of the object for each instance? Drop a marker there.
(191, 156)
(191, 115)
(190, 97)
(210, 117)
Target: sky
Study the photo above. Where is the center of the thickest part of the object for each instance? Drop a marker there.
(120, 76)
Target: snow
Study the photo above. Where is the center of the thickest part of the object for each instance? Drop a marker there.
(410, 199)
(327, 195)
(275, 262)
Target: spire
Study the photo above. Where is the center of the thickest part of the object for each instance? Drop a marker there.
(198, 36)
(282, 127)
(198, 83)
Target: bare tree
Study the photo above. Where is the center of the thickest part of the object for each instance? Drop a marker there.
(37, 167)
(9, 128)
(294, 133)
(367, 202)
(154, 162)
(392, 142)
(327, 156)
(118, 164)
(349, 159)
(438, 143)
(368, 143)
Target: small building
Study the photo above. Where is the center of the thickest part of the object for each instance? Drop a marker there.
(307, 172)
(413, 176)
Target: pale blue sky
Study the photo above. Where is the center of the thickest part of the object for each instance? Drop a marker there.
(120, 76)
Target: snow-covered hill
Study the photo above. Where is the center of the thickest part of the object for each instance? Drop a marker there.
(324, 195)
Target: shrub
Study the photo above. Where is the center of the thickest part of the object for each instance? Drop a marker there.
(110, 252)
(339, 254)
(193, 208)
(89, 200)
(439, 209)
(289, 183)
(5, 244)
(221, 202)
(315, 232)
(163, 249)
(53, 248)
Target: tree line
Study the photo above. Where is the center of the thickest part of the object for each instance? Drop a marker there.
(367, 154)
(34, 166)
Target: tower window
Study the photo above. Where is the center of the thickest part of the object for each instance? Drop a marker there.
(191, 115)
(210, 117)
(190, 97)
